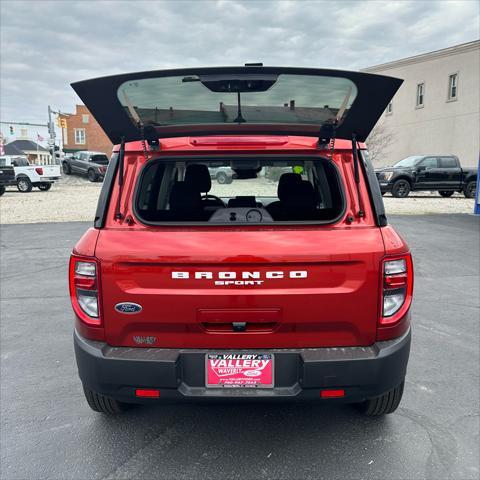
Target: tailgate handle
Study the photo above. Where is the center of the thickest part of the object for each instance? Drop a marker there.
(239, 320)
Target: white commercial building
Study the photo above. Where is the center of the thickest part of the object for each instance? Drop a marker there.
(437, 108)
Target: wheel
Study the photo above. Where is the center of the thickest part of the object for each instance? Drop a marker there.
(92, 176)
(24, 185)
(44, 187)
(469, 189)
(383, 405)
(66, 168)
(383, 193)
(2, 190)
(222, 178)
(445, 193)
(102, 404)
(401, 188)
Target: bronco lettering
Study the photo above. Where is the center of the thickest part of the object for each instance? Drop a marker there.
(235, 276)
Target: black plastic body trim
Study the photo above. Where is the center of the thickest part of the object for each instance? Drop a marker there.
(106, 192)
(373, 187)
(363, 372)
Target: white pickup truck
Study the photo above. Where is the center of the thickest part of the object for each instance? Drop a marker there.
(28, 176)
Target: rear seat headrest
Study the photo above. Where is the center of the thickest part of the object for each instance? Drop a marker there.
(285, 183)
(184, 199)
(301, 195)
(197, 177)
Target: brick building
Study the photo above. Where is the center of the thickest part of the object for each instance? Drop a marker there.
(84, 133)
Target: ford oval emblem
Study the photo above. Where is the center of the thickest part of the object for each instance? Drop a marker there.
(128, 307)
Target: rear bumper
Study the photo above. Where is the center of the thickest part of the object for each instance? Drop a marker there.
(48, 179)
(363, 372)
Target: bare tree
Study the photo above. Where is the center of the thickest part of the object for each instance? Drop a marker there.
(378, 143)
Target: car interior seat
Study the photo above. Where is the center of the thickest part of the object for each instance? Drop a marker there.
(198, 178)
(284, 184)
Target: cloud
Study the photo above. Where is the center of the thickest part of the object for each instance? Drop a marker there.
(46, 45)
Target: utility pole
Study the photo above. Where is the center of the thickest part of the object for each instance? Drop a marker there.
(51, 131)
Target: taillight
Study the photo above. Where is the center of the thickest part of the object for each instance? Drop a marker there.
(397, 289)
(39, 170)
(84, 289)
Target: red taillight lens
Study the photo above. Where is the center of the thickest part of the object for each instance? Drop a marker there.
(332, 393)
(397, 288)
(147, 393)
(39, 170)
(84, 289)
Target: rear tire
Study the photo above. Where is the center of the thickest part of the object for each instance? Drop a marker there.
(24, 185)
(401, 188)
(66, 168)
(222, 178)
(446, 193)
(44, 187)
(2, 190)
(383, 193)
(92, 175)
(102, 404)
(469, 189)
(383, 405)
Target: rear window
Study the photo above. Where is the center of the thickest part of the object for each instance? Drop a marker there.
(100, 159)
(237, 98)
(239, 191)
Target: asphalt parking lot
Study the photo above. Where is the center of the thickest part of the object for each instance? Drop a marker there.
(48, 432)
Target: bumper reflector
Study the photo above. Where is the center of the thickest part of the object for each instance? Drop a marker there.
(148, 393)
(332, 393)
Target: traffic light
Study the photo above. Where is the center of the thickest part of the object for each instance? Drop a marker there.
(11, 130)
(63, 122)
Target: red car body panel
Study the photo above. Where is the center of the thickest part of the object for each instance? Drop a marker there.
(321, 310)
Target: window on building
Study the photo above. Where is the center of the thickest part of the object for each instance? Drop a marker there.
(80, 136)
(24, 132)
(420, 94)
(85, 118)
(389, 109)
(452, 86)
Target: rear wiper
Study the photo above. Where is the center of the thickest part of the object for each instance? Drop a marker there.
(239, 118)
(356, 174)
(121, 156)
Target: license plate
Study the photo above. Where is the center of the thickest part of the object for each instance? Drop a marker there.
(239, 370)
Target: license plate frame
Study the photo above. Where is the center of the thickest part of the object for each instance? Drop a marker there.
(238, 380)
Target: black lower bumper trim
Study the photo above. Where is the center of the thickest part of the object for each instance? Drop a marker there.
(363, 372)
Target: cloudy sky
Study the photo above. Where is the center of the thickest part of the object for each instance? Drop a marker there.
(46, 45)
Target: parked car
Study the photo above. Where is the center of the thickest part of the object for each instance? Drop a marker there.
(92, 164)
(442, 173)
(28, 176)
(179, 294)
(222, 175)
(7, 175)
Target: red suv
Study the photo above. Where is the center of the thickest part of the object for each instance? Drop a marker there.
(286, 283)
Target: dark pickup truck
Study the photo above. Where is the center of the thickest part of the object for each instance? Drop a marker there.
(442, 173)
(7, 176)
(92, 164)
